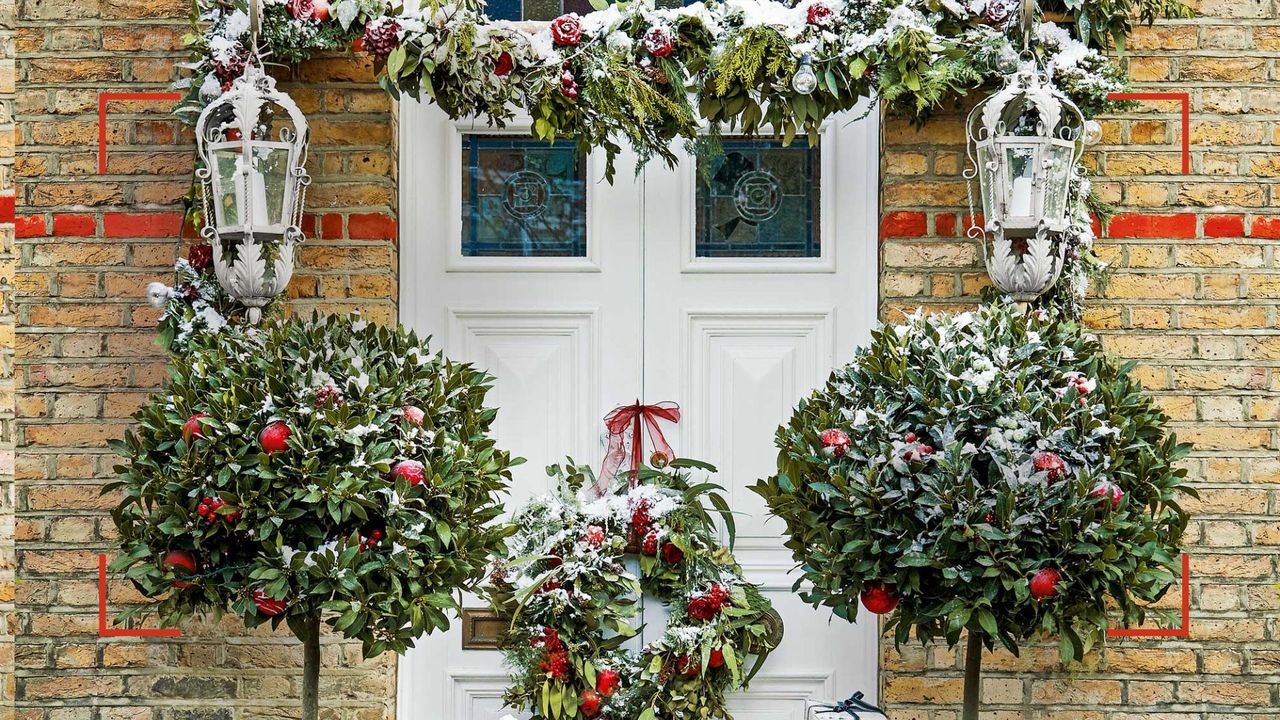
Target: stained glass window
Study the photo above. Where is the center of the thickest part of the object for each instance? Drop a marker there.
(522, 197)
(759, 198)
(551, 9)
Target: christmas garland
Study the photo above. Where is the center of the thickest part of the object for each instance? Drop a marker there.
(633, 73)
(570, 601)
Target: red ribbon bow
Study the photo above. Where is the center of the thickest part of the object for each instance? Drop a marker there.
(635, 418)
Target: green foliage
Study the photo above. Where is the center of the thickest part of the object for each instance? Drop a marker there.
(586, 596)
(1102, 22)
(958, 531)
(297, 524)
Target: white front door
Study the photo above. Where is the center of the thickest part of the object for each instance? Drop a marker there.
(732, 290)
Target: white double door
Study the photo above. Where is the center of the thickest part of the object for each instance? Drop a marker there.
(735, 335)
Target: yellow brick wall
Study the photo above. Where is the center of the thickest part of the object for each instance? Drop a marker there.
(1193, 298)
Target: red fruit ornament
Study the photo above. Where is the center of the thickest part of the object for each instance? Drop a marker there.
(411, 470)
(191, 428)
(658, 41)
(607, 682)
(594, 536)
(879, 599)
(1044, 584)
(716, 660)
(268, 605)
(688, 666)
(589, 702)
(503, 65)
(413, 414)
(566, 30)
(835, 443)
(320, 10)
(672, 554)
(1107, 491)
(275, 438)
(1049, 463)
(179, 562)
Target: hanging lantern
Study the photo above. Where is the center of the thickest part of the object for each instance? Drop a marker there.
(252, 141)
(1025, 143)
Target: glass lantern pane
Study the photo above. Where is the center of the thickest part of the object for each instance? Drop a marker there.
(1020, 161)
(270, 183)
(523, 197)
(228, 186)
(988, 177)
(1059, 171)
(760, 199)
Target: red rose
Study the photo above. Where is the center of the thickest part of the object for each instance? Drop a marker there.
(594, 536)
(301, 9)
(200, 256)
(658, 41)
(503, 65)
(701, 608)
(566, 30)
(820, 15)
(672, 554)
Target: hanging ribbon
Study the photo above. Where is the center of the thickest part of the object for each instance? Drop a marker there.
(634, 420)
(854, 705)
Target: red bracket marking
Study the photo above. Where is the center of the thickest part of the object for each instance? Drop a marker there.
(106, 97)
(104, 630)
(1185, 630)
(1185, 99)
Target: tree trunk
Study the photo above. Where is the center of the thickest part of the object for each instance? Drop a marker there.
(973, 676)
(311, 670)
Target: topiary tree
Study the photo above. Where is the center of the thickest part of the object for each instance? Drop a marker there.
(320, 467)
(989, 472)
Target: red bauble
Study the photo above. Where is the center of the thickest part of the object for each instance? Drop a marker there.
(879, 599)
(672, 554)
(275, 438)
(411, 470)
(268, 605)
(320, 10)
(717, 658)
(819, 15)
(503, 65)
(1107, 490)
(658, 41)
(688, 666)
(1044, 584)
(191, 428)
(589, 702)
(594, 536)
(179, 560)
(413, 414)
(607, 682)
(1049, 463)
(835, 443)
(566, 30)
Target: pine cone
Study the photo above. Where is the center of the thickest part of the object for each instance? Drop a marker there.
(656, 75)
(381, 37)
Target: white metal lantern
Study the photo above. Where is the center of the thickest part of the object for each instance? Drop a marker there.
(253, 144)
(1025, 143)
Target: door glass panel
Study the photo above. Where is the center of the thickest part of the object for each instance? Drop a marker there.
(523, 198)
(760, 199)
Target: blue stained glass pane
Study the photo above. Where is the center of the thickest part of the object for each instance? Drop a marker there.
(503, 9)
(522, 198)
(760, 199)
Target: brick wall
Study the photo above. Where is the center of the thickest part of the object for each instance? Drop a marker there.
(88, 244)
(1193, 299)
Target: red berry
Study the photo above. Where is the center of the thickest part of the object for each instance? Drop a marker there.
(202, 510)
(413, 414)
(589, 702)
(607, 682)
(275, 438)
(268, 605)
(650, 545)
(672, 554)
(1044, 584)
(191, 428)
(835, 443)
(179, 562)
(717, 658)
(570, 92)
(911, 437)
(879, 599)
(411, 470)
(926, 449)
(376, 535)
(1049, 463)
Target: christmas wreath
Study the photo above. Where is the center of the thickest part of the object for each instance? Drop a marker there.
(570, 601)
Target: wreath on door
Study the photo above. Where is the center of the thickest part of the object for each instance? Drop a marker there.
(570, 600)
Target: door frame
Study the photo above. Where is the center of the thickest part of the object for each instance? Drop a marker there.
(420, 162)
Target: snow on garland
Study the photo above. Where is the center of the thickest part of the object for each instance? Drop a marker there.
(631, 72)
(571, 601)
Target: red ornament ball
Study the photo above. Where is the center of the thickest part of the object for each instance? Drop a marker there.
(411, 470)
(879, 599)
(1107, 490)
(607, 682)
(275, 438)
(672, 554)
(191, 428)
(1049, 463)
(835, 443)
(413, 414)
(320, 10)
(1044, 584)
(268, 605)
(179, 562)
(717, 658)
(589, 702)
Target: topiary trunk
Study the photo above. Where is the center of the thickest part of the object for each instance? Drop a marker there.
(973, 677)
(311, 669)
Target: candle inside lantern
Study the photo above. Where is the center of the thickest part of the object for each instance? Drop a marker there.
(1020, 204)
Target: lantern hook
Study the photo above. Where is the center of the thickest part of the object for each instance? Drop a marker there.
(1026, 21)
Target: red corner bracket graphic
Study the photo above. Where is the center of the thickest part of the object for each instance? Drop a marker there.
(104, 630)
(1185, 99)
(1185, 630)
(106, 97)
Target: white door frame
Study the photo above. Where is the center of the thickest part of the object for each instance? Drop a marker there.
(420, 164)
